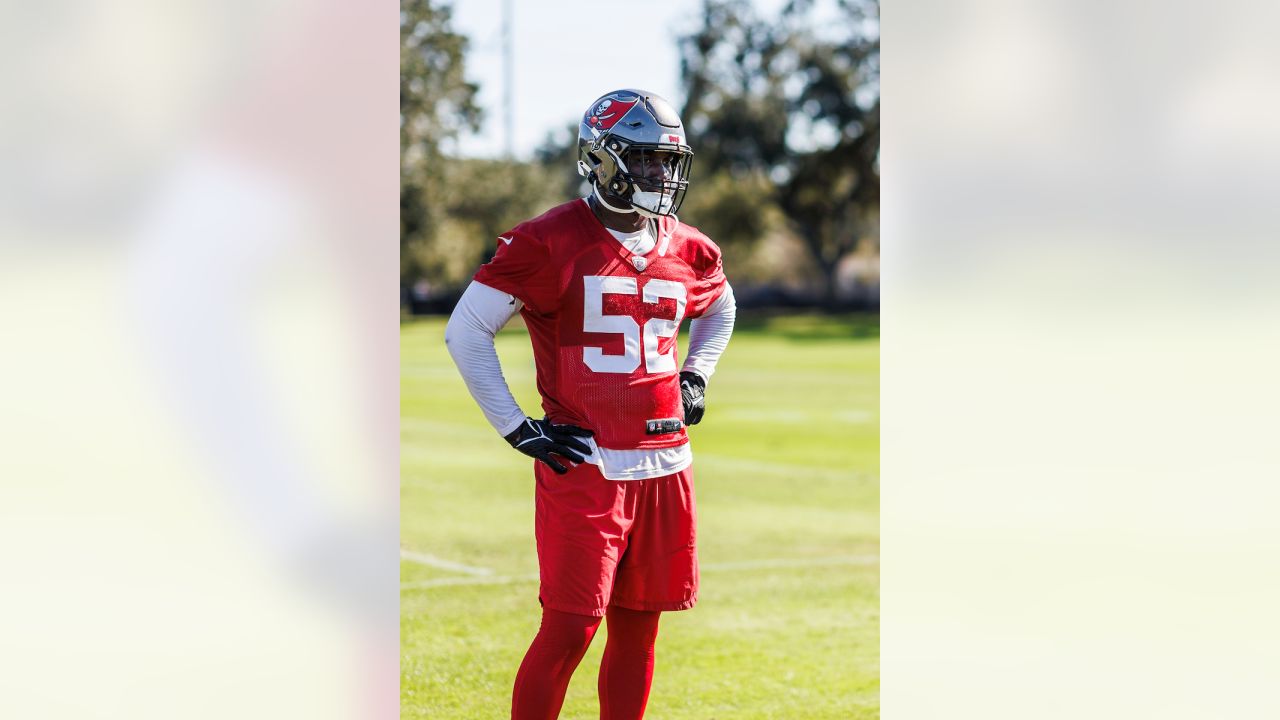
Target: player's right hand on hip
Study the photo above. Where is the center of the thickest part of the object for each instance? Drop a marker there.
(541, 440)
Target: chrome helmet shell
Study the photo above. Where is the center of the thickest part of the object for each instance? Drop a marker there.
(616, 127)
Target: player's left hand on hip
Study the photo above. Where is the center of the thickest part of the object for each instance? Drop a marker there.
(542, 441)
(693, 394)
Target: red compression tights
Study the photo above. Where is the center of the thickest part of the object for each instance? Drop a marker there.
(555, 653)
(625, 672)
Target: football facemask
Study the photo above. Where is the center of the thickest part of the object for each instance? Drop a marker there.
(657, 179)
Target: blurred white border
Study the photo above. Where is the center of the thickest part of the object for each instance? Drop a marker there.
(199, 464)
(1079, 350)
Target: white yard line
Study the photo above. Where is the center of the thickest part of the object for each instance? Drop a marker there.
(710, 567)
(442, 564)
(452, 581)
(759, 467)
(794, 562)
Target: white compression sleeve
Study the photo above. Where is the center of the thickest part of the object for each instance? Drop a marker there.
(479, 316)
(709, 334)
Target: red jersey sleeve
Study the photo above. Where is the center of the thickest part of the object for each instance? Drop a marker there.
(708, 270)
(521, 267)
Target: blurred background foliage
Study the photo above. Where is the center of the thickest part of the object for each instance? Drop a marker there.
(784, 116)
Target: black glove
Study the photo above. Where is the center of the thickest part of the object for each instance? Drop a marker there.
(693, 393)
(540, 440)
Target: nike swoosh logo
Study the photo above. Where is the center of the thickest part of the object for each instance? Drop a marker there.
(506, 240)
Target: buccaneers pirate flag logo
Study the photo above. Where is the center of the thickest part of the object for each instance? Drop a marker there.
(609, 111)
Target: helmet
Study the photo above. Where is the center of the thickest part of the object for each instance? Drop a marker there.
(632, 125)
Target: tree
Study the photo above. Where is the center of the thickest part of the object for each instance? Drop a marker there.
(791, 108)
(436, 105)
(483, 198)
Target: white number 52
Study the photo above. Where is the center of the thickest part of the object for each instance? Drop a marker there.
(594, 320)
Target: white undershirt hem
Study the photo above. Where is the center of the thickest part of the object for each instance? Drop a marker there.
(622, 465)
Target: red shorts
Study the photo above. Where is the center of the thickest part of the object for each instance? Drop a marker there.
(604, 542)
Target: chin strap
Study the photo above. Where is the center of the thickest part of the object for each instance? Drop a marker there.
(654, 221)
(595, 190)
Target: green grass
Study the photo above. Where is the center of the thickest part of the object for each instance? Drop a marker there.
(787, 469)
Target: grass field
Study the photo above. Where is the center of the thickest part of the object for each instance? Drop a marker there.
(787, 473)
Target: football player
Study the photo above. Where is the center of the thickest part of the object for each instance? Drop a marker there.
(603, 284)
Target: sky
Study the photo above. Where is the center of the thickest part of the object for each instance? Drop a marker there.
(566, 57)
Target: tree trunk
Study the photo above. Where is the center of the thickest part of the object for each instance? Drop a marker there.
(830, 288)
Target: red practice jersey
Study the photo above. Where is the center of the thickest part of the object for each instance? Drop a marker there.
(604, 323)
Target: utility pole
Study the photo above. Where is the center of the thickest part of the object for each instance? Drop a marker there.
(508, 99)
